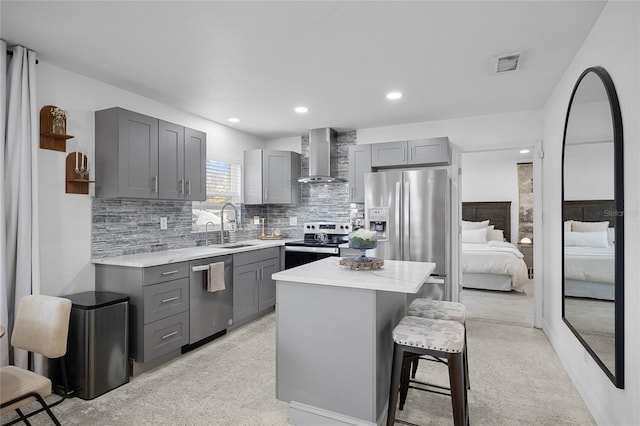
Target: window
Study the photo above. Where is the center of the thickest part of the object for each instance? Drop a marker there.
(224, 183)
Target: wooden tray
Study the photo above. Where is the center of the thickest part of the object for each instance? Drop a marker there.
(372, 263)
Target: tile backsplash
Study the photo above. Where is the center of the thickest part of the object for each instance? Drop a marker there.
(132, 226)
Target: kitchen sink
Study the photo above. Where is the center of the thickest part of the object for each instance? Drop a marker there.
(234, 246)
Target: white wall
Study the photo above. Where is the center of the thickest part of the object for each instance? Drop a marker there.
(614, 44)
(293, 143)
(517, 129)
(65, 219)
(492, 176)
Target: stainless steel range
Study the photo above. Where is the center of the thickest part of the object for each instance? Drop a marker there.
(321, 239)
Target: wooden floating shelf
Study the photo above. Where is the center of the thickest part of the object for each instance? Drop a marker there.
(74, 184)
(48, 139)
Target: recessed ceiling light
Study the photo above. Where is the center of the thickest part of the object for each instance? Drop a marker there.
(301, 109)
(394, 95)
(524, 151)
(234, 120)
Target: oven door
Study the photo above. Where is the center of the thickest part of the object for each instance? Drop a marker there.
(299, 255)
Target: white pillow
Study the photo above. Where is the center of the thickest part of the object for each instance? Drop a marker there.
(495, 234)
(586, 239)
(567, 225)
(611, 235)
(476, 236)
(577, 226)
(467, 225)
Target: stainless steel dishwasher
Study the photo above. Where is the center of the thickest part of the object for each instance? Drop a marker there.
(209, 313)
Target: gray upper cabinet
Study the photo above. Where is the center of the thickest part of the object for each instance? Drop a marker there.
(126, 154)
(138, 156)
(271, 177)
(389, 154)
(171, 161)
(359, 164)
(412, 152)
(195, 171)
(429, 151)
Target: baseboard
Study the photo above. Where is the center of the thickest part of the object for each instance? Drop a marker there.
(303, 414)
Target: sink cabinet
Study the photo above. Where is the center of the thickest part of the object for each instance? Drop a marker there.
(411, 152)
(138, 156)
(254, 292)
(159, 306)
(271, 177)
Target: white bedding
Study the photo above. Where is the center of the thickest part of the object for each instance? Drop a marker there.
(496, 257)
(590, 264)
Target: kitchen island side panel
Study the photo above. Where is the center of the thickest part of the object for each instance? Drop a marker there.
(334, 347)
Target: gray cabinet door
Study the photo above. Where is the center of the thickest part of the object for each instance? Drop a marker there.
(195, 156)
(429, 151)
(252, 179)
(137, 155)
(245, 291)
(171, 161)
(389, 154)
(267, 291)
(276, 175)
(359, 164)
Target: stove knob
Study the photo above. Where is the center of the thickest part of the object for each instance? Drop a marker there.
(346, 227)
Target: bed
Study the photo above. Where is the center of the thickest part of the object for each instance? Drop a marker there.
(589, 252)
(489, 261)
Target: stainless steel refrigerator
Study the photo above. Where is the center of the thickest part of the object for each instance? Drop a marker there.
(410, 212)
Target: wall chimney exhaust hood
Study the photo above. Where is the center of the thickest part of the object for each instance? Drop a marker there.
(323, 163)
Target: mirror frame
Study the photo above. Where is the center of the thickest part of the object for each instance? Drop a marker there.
(616, 376)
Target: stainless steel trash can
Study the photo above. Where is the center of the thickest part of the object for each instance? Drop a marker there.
(98, 344)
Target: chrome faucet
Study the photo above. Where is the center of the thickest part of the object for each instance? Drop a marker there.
(235, 212)
(206, 232)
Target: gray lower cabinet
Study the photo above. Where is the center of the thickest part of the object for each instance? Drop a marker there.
(271, 177)
(254, 291)
(412, 152)
(359, 164)
(159, 306)
(138, 156)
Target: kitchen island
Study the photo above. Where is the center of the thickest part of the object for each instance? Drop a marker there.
(334, 341)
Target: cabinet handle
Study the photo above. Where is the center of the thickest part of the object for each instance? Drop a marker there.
(257, 274)
(411, 154)
(170, 272)
(181, 186)
(166, 336)
(404, 154)
(155, 184)
(266, 194)
(189, 187)
(171, 299)
(262, 273)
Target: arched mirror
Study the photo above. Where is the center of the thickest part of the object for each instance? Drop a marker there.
(593, 215)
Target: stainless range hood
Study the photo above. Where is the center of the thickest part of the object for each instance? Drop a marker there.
(323, 164)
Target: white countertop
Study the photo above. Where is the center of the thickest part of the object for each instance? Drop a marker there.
(144, 260)
(396, 275)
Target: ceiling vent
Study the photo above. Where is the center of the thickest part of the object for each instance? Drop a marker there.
(506, 63)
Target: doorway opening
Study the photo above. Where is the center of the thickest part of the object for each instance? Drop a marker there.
(497, 263)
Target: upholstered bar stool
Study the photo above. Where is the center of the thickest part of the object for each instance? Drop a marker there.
(441, 310)
(415, 336)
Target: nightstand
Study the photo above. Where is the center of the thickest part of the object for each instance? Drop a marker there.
(527, 251)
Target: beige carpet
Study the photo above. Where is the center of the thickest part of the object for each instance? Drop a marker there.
(503, 306)
(516, 378)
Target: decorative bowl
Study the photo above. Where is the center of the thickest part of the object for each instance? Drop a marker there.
(363, 240)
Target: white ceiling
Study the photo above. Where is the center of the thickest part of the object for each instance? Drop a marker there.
(258, 60)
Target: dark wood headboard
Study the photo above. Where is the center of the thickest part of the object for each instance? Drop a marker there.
(590, 211)
(498, 213)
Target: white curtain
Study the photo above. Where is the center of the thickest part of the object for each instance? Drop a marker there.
(19, 234)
